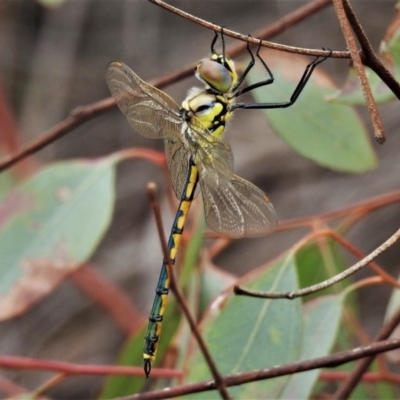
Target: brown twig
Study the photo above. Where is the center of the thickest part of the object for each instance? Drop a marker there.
(35, 364)
(254, 39)
(367, 377)
(219, 381)
(370, 59)
(328, 282)
(330, 361)
(355, 56)
(373, 265)
(49, 384)
(345, 390)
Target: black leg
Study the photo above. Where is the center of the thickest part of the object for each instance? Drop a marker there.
(246, 71)
(213, 52)
(249, 67)
(296, 93)
(213, 42)
(223, 43)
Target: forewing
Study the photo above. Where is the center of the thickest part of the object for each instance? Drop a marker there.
(232, 205)
(150, 111)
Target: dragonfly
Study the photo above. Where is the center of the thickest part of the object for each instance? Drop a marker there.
(197, 157)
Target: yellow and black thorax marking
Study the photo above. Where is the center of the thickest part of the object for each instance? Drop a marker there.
(209, 109)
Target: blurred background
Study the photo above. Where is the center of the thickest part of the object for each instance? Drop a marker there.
(54, 59)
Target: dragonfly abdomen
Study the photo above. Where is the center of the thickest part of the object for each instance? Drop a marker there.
(160, 301)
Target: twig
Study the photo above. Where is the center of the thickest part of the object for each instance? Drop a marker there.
(367, 377)
(329, 282)
(345, 390)
(355, 56)
(370, 59)
(373, 265)
(35, 364)
(332, 360)
(49, 384)
(219, 381)
(254, 39)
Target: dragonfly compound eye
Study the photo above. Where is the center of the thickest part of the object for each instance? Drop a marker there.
(215, 74)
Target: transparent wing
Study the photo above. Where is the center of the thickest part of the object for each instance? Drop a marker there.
(150, 111)
(232, 205)
(237, 208)
(178, 164)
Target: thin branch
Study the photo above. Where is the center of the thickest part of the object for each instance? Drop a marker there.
(48, 385)
(373, 265)
(254, 39)
(31, 364)
(355, 56)
(370, 59)
(345, 390)
(322, 285)
(219, 381)
(375, 377)
(330, 361)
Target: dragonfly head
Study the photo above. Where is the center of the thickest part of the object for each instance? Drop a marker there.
(218, 72)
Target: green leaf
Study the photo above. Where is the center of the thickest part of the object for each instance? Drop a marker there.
(244, 333)
(50, 225)
(321, 321)
(331, 135)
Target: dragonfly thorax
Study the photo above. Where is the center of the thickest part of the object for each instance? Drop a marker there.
(209, 109)
(218, 73)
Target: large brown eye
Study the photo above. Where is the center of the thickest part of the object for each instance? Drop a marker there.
(215, 74)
